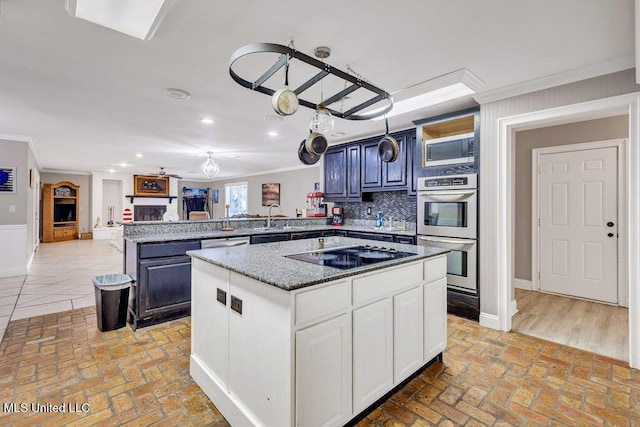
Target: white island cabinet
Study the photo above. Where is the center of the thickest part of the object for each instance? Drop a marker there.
(317, 355)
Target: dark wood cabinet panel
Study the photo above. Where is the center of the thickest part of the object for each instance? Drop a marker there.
(371, 165)
(394, 174)
(408, 240)
(370, 236)
(266, 238)
(342, 174)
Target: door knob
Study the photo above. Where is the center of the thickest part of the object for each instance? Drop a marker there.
(610, 224)
(610, 234)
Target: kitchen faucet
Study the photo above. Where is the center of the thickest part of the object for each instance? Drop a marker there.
(269, 216)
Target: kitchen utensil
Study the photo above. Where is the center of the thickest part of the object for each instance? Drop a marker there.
(306, 157)
(316, 143)
(285, 101)
(388, 146)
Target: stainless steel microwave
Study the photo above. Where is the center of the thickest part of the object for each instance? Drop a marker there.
(449, 150)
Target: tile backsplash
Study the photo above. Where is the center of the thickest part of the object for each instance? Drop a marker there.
(392, 203)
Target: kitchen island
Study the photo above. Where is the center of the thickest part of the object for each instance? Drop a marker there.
(276, 341)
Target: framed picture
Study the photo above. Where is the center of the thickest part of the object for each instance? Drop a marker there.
(270, 194)
(7, 180)
(144, 185)
(214, 195)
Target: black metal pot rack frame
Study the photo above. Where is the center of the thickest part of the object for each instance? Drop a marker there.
(288, 53)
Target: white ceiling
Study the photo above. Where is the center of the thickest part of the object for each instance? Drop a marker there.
(90, 98)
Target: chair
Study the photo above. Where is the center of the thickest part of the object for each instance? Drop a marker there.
(198, 215)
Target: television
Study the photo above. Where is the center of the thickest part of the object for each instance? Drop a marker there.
(64, 212)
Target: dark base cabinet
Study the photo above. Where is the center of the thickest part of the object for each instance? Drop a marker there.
(162, 290)
(463, 305)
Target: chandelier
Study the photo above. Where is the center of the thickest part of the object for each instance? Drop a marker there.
(210, 168)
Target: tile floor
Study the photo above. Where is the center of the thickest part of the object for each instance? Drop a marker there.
(60, 279)
(142, 378)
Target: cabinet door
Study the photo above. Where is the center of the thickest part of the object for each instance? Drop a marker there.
(372, 357)
(408, 333)
(164, 284)
(353, 172)
(435, 318)
(270, 238)
(323, 373)
(210, 320)
(335, 174)
(371, 165)
(370, 236)
(307, 235)
(394, 174)
(414, 163)
(407, 240)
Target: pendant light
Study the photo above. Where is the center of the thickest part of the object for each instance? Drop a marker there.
(210, 168)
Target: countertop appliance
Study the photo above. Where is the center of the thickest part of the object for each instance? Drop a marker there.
(350, 257)
(447, 218)
(449, 150)
(315, 204)
(337, 216)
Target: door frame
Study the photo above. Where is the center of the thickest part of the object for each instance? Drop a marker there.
(497, 207)
(621, 218)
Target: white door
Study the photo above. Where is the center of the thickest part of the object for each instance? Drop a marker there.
(372, 358)
(578, 223)
(408, 333)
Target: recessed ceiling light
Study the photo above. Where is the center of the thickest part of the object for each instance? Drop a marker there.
(272, 118)
(138, 155)
(273, 133)
(207, 120)
(123, 165)
(112, 170)
(176, 93)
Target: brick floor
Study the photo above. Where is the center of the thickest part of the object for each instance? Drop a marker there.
(142, 378)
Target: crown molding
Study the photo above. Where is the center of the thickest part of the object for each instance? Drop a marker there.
(23, 138)
(559, 79)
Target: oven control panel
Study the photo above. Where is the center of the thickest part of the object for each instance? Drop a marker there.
(452, 182)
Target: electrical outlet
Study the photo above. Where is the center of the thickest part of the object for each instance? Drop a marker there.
(369, 210)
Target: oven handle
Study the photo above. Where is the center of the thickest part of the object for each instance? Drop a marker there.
(448, 195)
(451, 242)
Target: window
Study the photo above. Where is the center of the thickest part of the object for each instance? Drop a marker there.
(235, 195)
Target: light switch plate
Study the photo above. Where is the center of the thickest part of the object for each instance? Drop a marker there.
(12, 208)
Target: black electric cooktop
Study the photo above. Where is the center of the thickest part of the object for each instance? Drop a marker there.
(351, 257)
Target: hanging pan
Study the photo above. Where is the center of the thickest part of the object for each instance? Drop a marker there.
(285, 101)
(305, 157)
(316, 143)
(388, 146)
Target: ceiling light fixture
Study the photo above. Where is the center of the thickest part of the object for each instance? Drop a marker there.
(210, 168)
(139, 155)
(207, 121)
(139, 19)
(176, 93)
(273, 133)
(441, 89)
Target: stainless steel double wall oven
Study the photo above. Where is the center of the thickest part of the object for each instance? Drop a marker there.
(447, 218)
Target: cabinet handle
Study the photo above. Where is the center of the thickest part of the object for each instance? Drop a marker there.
(236, 304)
(221, 296)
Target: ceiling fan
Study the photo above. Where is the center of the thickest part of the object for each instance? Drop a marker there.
(162, 174)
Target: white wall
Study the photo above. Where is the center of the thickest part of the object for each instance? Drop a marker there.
(294, 186)
(18, 227)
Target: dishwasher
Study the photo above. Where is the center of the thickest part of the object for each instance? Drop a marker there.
(224, 242)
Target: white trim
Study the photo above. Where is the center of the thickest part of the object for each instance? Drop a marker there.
(489, 320)
(496, 256)
(513, 307)
(23, 138)
(13, 227)
(620, 144)
(523, 284)
(14, 259)
(558, 79)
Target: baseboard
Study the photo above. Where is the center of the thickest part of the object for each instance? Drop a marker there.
(527, 285)
(513, 307)
(489, 321)
(11, 272)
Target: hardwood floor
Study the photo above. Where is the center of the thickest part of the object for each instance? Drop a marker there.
(587, 325)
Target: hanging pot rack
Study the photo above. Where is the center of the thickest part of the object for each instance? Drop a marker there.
(286, 55)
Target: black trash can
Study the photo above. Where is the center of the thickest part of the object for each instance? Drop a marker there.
(112, 300)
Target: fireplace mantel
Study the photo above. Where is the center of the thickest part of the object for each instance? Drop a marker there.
(132, 197)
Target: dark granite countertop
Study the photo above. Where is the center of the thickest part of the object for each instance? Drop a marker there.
(267, 263)
(239, 232)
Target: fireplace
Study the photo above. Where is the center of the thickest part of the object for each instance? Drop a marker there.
(148, 212)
